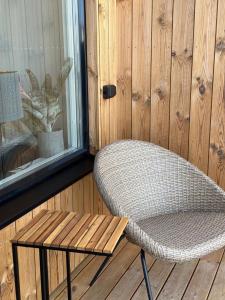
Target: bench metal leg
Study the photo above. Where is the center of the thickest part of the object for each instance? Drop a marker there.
(69, 294)
(16, 271)
(44, 273)
(100, 270)
(145, 271)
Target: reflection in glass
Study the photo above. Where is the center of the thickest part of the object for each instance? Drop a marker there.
(40, 84)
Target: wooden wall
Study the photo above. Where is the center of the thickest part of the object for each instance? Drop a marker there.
(167, 59)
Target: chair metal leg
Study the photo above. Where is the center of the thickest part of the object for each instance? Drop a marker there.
(44, 273)
(69, 294)
(100, 270)
(145, 271)
(16, 271)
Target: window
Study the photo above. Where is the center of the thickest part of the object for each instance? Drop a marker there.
(42, 84)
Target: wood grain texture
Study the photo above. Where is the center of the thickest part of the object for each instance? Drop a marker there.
(217, 134)
(141, 69)
(104, 120)
(182, 46)
(218, 289)
(113, 61)
(26, 259)
(93, 72)
(205, 272)
(123, 278)
(202, 77)
(161, 69)
(122, 118)
(73, 231)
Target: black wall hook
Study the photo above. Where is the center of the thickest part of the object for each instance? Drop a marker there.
(109, 91)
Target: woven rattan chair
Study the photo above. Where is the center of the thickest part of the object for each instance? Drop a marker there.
(175, 212)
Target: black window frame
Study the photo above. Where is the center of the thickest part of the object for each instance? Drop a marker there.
(25, 194)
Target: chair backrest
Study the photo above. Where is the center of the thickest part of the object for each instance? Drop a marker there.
(140, 180)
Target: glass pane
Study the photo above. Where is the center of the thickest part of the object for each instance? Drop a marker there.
(40, 84)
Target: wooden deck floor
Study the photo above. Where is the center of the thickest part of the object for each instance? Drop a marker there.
(122, 278)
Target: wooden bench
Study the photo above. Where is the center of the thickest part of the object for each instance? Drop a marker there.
(69, 232)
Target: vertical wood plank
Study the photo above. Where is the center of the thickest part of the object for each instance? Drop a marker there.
(78, 196)
(113, 111)
(217, 141)
(121, 123)
(36, 256)
(67, 199)
(202, 76)
(93, 72)
(88, 194)
(52, 257)
(141, 69)
(182, 46)
(103, 14)
(26, 262)
(6, 263)
(98, 202)
(161, 67)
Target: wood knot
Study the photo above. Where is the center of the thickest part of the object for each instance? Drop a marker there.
(220, 46)
(202, 89)
(173, 53)
(218, 150)
(74, 288)
(160, 93)
(148, 100)
(100, 8)
(162, 20)
(178, 114)
(136, 96)
(182, 118)
(213, 147)
(92, 73)
(221, 154)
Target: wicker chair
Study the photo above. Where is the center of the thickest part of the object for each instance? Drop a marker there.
(175, 212)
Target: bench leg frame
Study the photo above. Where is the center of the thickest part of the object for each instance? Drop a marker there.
(44, 267)
(16, 271)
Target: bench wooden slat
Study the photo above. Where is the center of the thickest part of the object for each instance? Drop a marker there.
(90, 232)
(79, 236)
(106, 235)
(66, 242)
(98, 234)
(64, 235)
(109, 247)
(72, 231)
(52, 226)
(23, 230)
(57, 231)
(39, 225)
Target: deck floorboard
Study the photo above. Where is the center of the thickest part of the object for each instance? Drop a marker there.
(122, 278)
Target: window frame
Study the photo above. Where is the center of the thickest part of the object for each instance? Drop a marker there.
(26, 193)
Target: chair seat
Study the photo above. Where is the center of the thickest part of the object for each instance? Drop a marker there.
(186, 235)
